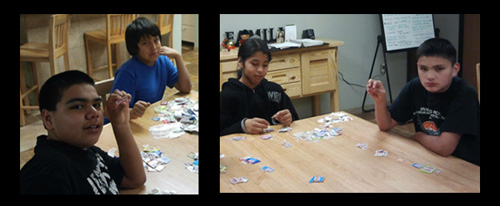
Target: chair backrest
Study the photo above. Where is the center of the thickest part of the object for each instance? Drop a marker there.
(478, 82)
(58, 34)
(116, 24)
(103, 88)
(166, 25)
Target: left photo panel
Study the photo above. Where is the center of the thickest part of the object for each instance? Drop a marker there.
(109, 104)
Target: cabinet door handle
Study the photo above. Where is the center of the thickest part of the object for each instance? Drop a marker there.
(279, 75)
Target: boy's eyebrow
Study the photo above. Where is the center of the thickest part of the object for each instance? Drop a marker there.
(438, 65)
(84, 100)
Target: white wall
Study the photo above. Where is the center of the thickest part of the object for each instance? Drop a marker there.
(359, 33)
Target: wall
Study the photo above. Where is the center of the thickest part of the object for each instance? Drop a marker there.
(359, 33)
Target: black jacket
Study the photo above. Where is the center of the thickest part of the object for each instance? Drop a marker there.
(237, 101)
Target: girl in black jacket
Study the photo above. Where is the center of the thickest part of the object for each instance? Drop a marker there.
(250, 103)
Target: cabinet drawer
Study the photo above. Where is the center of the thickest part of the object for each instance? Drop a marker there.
(284, 76)
(284, 61)
(228, 66)
(279, 77)
(187, 33)
(293, 90)
(277, 63)
(227, 75)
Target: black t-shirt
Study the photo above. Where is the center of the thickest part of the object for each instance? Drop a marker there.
(60, 168)
(455, 110)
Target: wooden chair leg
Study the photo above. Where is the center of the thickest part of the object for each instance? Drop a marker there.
(66, 61)
(90, 70)
(36, 78)
(110, 61)
(53, 66)
(117, 54)
(23, 87)
(21, 112)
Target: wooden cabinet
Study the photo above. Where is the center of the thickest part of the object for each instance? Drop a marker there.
(302, 72)
(188, 27)
(319, 71)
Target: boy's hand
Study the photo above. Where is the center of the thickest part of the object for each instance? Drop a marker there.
(117, 107)
(284, 117)
(375, 88)
(256, 125)
(139, 109)
(167, 51)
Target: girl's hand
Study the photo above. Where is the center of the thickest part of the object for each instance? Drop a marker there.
(284, 117)
(256, 125)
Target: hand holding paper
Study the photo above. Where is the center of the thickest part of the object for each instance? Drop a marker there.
(284, 117)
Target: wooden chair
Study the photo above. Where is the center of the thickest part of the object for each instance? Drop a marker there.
(478, 83)
(103, 88)
(44, 52)
(166, 25)
(116, 24)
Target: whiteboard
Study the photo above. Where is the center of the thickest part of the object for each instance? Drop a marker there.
(406, 31)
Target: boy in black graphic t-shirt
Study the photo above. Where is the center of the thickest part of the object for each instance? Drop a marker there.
(66, 160)
(444, 108)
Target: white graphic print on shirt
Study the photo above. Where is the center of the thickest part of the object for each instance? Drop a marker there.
(100, 180)
(429, 120)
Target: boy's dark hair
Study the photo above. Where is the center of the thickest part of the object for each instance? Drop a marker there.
(53, 88)
(438, 47)
(249, 47)
(140, 27)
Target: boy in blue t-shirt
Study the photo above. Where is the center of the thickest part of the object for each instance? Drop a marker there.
(149, 71)
(444, 108)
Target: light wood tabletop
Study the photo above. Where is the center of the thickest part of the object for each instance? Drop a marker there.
(344, 166)
(174, 176)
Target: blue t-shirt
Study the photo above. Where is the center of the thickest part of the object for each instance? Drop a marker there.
(143, 82)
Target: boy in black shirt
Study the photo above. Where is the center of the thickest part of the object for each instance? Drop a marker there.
(66, 160)
(444, 108)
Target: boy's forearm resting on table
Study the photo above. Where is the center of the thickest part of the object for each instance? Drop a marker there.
(443, 145)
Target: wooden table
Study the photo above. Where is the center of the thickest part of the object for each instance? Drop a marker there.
(174, 176)
(346, 168)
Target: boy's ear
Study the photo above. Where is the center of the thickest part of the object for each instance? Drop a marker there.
(47, 119)
(456, 69)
